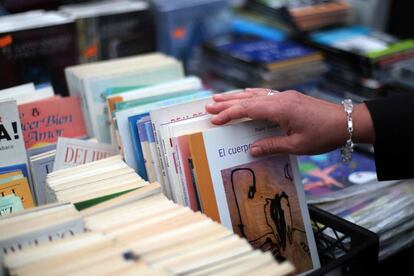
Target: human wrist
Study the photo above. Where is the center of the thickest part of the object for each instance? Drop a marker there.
(363, 126)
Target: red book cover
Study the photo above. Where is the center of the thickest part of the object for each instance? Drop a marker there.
(46, 120)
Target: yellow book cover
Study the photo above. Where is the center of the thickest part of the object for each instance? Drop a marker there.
(20, 188)
(203, 177)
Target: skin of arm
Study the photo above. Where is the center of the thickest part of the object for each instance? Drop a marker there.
(311, 125)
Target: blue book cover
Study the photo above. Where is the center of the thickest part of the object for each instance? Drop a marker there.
(263, 51)
(326, 176)
(136, 142)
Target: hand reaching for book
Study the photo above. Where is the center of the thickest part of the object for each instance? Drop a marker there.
(311, 125)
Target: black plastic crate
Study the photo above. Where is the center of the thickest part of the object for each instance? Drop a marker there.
(349, 249)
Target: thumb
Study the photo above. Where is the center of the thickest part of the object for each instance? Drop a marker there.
(270, 145)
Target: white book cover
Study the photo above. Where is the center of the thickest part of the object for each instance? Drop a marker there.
(40, 94)
(12, 150)
(160, 119)
(74, 152)
(261, 199)
(17, 91)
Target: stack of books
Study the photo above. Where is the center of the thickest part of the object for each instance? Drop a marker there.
(361, 58)
(258, 62)
(91, 183)
(304, 15)
(37, 226)
(139, 232)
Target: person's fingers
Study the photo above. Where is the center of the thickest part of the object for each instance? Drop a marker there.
(271, 145)
(256, 109)
(217, 107)
(247, 93)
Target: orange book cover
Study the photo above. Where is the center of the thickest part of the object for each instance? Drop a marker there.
(20, 188)
(46, 120)
(203, 176)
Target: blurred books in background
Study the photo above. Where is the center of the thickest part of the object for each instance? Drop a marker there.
(303, 15)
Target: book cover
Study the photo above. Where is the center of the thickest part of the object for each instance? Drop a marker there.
(182, 158)
(155, 162)
(265, 53)
(327, 178)
(10, 204)
(108, 29)
(40, 168)
(94, 88)
(19, 188)
(38, 54)
(43, 122)
(74, 152)
(260, 199)
(146, 152)
(12, 150)
(140, 162)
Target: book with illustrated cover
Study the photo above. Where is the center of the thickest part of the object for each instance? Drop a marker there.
(74, 152)
(13, 153)
(43, 122)
(327, 178)
(260, 199)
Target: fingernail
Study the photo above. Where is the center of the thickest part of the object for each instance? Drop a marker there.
(217, 96)
(256, 150)
(209, 105)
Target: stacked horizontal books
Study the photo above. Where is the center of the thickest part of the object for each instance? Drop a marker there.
(360, 57)
(260, 62)
(304, 15)
(144, 232)
(37, 226)
(91, 183)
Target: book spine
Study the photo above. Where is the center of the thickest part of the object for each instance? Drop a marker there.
(203, 176)
(178, 192)
(164, 183)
